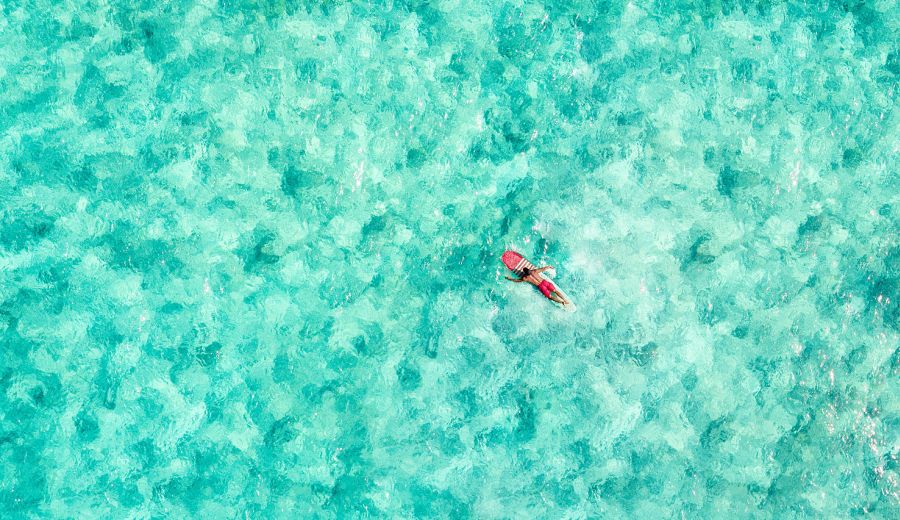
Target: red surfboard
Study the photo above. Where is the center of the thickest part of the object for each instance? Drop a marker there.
(516, 263)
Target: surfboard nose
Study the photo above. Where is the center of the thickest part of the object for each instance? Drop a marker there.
(511, 258)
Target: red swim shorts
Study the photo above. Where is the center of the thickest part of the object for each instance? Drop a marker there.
(546, 288)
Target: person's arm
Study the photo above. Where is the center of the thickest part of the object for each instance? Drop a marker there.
(542, 269)
(516, 280)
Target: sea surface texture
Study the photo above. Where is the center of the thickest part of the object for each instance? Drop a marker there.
(250, 259)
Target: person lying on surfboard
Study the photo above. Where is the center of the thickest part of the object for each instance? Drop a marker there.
(533, 276)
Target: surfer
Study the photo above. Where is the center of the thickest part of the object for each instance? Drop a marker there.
(533, 276)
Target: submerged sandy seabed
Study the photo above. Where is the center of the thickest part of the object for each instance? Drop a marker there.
(249, 260)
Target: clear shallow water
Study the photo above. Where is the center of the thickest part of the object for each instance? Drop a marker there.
(249, 259)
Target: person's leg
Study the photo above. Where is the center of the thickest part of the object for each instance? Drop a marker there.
(558, 298)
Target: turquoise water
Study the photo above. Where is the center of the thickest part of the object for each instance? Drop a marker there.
(249, 259)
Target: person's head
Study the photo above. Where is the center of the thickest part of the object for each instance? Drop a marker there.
(525, 272)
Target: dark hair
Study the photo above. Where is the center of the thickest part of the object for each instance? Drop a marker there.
(526, 271)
